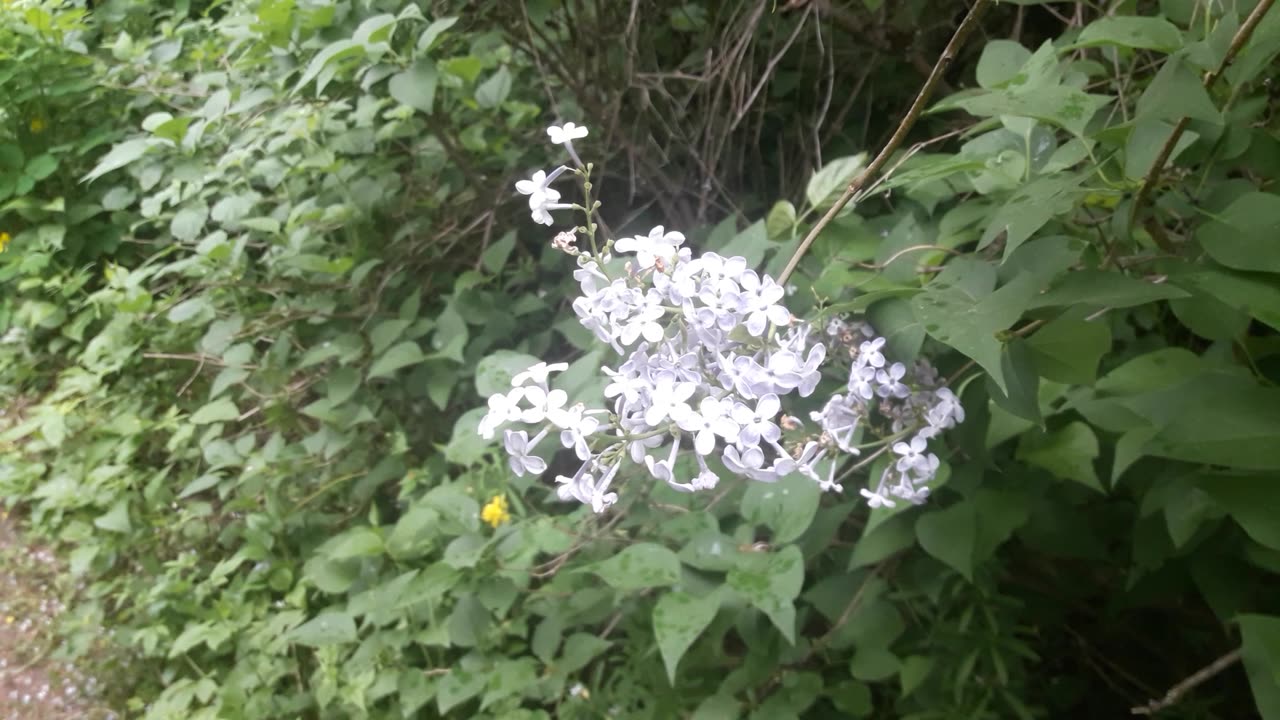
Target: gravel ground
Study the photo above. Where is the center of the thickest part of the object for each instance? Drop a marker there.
(32, 685)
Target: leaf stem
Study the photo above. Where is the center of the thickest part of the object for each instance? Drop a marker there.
(908, 121)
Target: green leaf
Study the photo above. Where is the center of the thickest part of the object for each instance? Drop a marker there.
(116, 519)
(579, 649)
(416, 87)
(1036, 91)
(356, 542)
(492, 92)
(894, 320)
(1147, 141)
(120, 155)
(41, 166)
(398, 356)
(433, 31)
(189, 221)
(495, 256)
(1260, 650)
(678, 619)
(1029, 209)
(1146, 33)
(718, 707)
(334, 51)
(1000, 62)
(1066, 107)
(1000, 513)
(1067, 452)
(872, 664)
(827, 184)
(1217, 418)
(1018, 364)
(781, 220)
(710, 550)
(913, 672)
(331, 576)
(770, 582)
(466, 447)
(1244, 235)
(494, 372)
(331, 628)
(1251, 501)
(751, 244)
(968, 319)
(950, 536)
(341, 385)
(1068, 351)
(459, 686)
(1152, 371)
(374, 30)
(1174, 93)
(194, 308)
(1104, 289)
(883, 540)
(786, 507)
(220, 410)
(1256, 294)
(639, 566)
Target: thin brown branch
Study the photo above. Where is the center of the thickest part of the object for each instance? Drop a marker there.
(1197, 678)
(1237, 43)
(908, 121)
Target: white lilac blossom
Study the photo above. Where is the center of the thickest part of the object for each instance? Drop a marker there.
(561, 134)
(709, 358)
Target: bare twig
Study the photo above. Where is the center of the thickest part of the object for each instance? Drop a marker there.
(908, 121)
(1237, 43)
(1197, 678)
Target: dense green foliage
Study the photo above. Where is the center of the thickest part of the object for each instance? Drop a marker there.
(265, 260)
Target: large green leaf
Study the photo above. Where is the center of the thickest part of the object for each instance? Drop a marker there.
(1243, 236)
(1148, 33)
(827, 184)
(786, 507)
(1251, 501)
(331, 628)
(966, 318)
(1068, 452)
(949, 535)
(1068, 351)
(639, 566)
(1260, 651)
(678, 619)
(416, 87)
(1106, 289)
(770, 582)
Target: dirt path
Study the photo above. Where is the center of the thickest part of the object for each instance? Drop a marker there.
(32, 686)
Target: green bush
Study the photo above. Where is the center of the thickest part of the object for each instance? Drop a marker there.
(263, 264)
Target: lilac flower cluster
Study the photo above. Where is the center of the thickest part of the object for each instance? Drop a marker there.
(877, 391)
(710, 354)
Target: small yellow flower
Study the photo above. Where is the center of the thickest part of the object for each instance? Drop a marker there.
(495, 513)
(4, 240)
(8, 620)
(37, 125)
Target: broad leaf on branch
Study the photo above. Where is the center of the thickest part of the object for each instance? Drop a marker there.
(678, 619)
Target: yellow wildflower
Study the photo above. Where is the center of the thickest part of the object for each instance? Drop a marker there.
(495, 513)
(4, 240)
(8, 620)
(37, 125)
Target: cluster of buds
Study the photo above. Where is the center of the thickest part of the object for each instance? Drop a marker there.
(709, 356)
